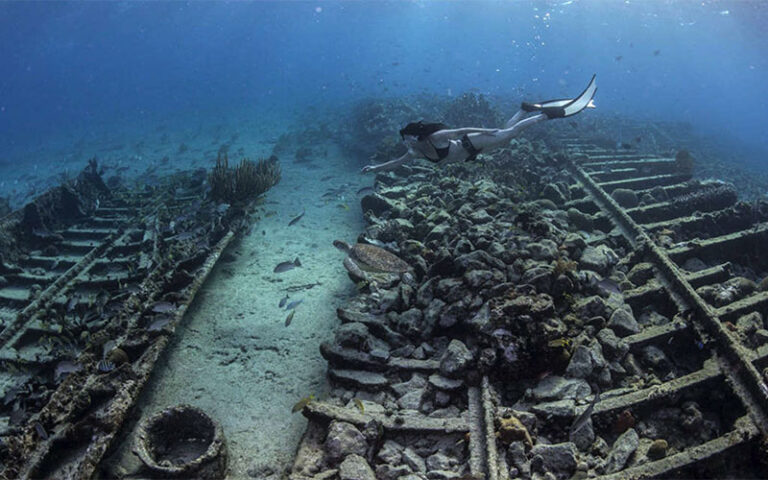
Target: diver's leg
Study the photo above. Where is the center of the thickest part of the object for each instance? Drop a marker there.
(483, 141)
(515, 118)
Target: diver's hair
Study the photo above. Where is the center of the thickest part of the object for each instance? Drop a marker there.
(421, 130)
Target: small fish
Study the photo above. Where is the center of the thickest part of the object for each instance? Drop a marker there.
(72, 303)
(105, 366)
(293, 304)
(656, 53)
(285, 266)
(359, 404)
(41, 431)
(573, 124)
(289, 318)
(296, 220)
(344, 206)
(163, 307)
(559, 343)
(609, 286)
(585, 416)
(270, 213)
(158, 324)
(618, 58)
(302, 403)
(282, 301)
(365, 191)
(638, 139)
(327, 177)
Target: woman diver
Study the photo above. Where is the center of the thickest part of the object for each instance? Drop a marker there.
(437, 143)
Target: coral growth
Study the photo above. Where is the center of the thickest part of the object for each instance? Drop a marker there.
(564, 265)
(511, 429)
(245, 181)
(624, 421)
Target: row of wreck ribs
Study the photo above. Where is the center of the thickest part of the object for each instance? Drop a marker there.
(613, 329)
(93, 282)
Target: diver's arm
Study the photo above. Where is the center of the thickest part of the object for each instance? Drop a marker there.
(442, 136)
(390, 165)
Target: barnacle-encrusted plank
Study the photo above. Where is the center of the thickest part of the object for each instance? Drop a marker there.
(351, 357)
(655, 334)
(724, 247)
(664, 211)
(709, 374)
(752, 303)
(647, 162)
(613, 174)
(594, 155)
(718, 273)
(610, 405)
(744, 432)
(477, 434)
(644, 182)
(416, 422)
(489, 420)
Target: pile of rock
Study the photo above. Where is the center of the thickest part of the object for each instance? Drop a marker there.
(519, 291)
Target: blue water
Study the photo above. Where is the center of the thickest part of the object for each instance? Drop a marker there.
(88, 65)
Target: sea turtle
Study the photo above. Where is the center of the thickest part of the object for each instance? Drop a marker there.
(371, 258)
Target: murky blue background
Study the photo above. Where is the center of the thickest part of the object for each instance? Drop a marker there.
(88, 65)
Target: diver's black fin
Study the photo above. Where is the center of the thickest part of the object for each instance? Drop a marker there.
(564, 107)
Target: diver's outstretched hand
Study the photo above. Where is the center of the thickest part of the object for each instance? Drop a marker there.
(368, 168)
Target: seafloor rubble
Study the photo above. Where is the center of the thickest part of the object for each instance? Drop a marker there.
(524, 300)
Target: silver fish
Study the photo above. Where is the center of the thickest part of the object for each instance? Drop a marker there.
(163, 307)
(282, 301)
(285, 266)
(294, 304)
(158, 324)
(296, 220)
(585, 416)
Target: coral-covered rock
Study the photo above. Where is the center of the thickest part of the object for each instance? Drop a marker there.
(344, 439)
(354, 467)
(622, 449)
(456, 359)
(599, 259)
(559, 459)
(623, 322)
